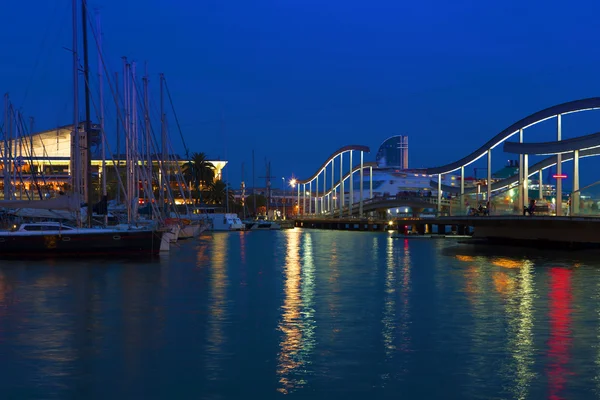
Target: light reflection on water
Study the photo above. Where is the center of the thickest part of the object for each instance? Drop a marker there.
(307, 313)
(389, 312)
(519, 309)
(559, 344)
(297, 320)
(217, 312)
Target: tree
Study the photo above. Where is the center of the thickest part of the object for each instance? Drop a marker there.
(218, 193)
(261, 204)
(199, 171)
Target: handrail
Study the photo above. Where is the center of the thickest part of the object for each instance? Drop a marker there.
(352, 147)
(564, 108)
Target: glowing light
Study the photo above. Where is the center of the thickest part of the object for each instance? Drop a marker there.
(560, 330)
(559, 176)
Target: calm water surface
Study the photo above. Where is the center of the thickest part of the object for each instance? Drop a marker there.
(304, 314)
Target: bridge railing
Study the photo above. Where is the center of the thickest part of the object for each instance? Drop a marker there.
(584, 202)
(504, 203)
(368, 205)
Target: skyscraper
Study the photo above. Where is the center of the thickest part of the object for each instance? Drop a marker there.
(393, 153)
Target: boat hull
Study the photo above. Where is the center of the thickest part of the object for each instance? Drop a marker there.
(115, 243)
(262, 226)
(189, 231)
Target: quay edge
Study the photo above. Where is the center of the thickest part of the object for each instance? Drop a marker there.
(342, 224)
(531, 231)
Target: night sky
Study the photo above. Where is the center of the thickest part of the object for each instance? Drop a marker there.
(295, 80)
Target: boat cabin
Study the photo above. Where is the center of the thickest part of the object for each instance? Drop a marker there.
(41, 226)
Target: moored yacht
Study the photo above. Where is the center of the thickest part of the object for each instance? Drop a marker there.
(225, 222)
(56, 239)
(262, 224)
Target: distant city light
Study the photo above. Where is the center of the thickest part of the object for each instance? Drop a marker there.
(559, 176)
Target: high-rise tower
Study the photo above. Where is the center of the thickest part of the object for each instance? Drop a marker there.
(393, 153)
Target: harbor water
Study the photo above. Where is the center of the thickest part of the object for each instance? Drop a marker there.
(304, 314)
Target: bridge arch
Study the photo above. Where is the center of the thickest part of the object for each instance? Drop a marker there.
(570, 107)
(574, 146)
(536, 168)
(326, 200)
(559, 151)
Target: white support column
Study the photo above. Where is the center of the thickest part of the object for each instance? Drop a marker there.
(370, 182)
(525, 187)
(324, 203)
(439, 193)
(298, 201)
(522, 203)
(489, 176)
(304, 199)
(541, 184)
(360, 206)
(332, 197)
(559, 168)
(342, 190)
(317, 195)
(310, 197)
(351, 198)
(462, 181)
(575, 193)
(462, 189)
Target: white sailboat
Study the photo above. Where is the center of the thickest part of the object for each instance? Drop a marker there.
(55, 239)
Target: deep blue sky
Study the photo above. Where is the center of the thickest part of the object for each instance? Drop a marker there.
(295, 80)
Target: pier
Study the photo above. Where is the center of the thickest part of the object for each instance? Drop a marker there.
(343, 224)
(342, 195)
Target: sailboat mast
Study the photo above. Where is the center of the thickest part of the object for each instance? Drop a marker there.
(19, 131)
(101, 84)
(118, 125)
(227, 170)
(6, 144)
(243, 193)
(134, 141)
(13, 147)
(163, 139)
(88, 136)
(76, 148)
(148, 186)
(128, 191)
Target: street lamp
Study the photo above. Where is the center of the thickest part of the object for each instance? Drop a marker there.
(293, 185)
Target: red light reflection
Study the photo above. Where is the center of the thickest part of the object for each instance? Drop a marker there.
(560, 330)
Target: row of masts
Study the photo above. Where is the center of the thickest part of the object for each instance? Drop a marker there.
(14, 150)
(128, 119)
(136, 128)
(138, 166)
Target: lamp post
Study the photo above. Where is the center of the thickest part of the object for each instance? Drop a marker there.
(283, 198)
(293, 185)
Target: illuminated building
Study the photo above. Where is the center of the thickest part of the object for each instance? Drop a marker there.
(46, 158)
(393, 153)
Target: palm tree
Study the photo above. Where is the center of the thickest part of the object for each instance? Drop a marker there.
(199, 171)
(218, 193)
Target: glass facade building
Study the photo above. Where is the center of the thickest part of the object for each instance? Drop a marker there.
(393, 153)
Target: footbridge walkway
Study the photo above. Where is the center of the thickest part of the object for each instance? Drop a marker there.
(324, 195)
